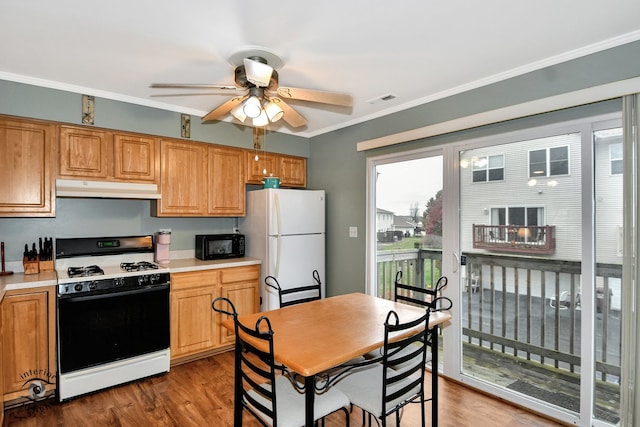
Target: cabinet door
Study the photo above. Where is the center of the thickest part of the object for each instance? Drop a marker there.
(85, 153)
(183, 179)
(241, 285)
(293, 171)
(193, 327)
(258, 169)
(28, 344)
(136, 158)
(226, 182)
(26, 168)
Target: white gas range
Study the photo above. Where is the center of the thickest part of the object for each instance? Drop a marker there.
(112, 313)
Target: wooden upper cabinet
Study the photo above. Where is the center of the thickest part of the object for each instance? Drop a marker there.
(258, 169)
(183, 179)
(103, 155)
(291, 170)
(136, 158)
(226, 191)
(85, 153)
(27, 168)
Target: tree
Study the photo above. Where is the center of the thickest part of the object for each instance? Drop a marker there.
(433, 215)
(413, 211)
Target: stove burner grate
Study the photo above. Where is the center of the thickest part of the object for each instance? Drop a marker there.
(138, 266)
(92, 270)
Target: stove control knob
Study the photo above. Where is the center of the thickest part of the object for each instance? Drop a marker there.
(78, 287)
(118, 281)
(154, 278)
(142, 280)
(93, 286)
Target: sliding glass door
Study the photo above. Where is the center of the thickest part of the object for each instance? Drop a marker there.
(541, 238)
(530, 231)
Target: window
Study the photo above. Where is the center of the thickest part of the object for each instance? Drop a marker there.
(518, 215)
(488, 168)
(549, 162)
(615, 158)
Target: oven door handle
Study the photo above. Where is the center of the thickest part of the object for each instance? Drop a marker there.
(117, 294)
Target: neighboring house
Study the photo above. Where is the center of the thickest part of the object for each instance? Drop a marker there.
(384, 220)
(404, 223)
(541, 179)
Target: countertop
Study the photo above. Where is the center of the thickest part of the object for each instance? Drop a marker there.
(194, 264)
(49, 278)
(23, 281)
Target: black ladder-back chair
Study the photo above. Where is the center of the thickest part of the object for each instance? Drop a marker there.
(382, 389)
(432, 300)
(292, 296)
(256, 372)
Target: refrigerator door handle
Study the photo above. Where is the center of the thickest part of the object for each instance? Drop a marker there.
(276, 202)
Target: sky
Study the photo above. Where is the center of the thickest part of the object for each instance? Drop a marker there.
(402, 184)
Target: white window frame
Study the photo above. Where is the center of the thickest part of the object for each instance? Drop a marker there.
(548, 162)
(487, 168)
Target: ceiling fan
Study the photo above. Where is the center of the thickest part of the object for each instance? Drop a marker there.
(257, 93)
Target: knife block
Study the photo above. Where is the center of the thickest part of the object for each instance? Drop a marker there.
(45, 265)
(31, 267)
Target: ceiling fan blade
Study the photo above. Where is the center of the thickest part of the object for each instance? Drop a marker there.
(162, 95)
(333, 98)
(192, 86)
(291, 116)
(223, 109)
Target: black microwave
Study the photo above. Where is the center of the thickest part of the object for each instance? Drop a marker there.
(219, 246)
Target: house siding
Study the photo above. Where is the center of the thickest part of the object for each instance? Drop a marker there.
(561, 203)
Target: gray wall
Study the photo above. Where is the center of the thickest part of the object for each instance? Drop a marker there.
(333, 164)
(336, 166)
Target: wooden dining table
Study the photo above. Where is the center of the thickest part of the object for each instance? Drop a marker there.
(313, 337)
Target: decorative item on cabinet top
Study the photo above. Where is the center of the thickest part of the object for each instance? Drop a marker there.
(106, 189)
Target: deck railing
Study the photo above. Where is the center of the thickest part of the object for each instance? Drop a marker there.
(513, 238)
(528, 308)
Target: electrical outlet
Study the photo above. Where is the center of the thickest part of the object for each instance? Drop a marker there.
(353, 231)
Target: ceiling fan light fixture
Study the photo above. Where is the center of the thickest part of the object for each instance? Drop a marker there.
(238, 112)
(258, 73)
(252, 107)
(261, 120)
(274, 112)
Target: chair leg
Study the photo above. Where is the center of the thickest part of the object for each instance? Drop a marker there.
(346, 416)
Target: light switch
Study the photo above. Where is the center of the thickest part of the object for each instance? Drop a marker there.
(353, 231)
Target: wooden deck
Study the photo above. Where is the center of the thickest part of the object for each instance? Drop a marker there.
(556, 386)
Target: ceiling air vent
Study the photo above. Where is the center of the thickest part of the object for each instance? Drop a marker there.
(382, 98)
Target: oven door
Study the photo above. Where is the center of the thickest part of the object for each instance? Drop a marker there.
(98, 329)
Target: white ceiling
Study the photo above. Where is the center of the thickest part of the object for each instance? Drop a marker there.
(416, 50)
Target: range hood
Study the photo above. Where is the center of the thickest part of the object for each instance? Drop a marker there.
(106, 189)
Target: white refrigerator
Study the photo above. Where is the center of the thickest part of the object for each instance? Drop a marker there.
(285, 229)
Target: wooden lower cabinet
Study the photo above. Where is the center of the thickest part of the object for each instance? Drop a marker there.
(196, 330)
(28, 344)
(242, 286)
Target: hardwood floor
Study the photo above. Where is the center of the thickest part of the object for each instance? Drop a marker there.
(201, 394)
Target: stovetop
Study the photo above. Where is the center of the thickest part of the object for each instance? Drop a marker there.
(107, 267)
(91, 259)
